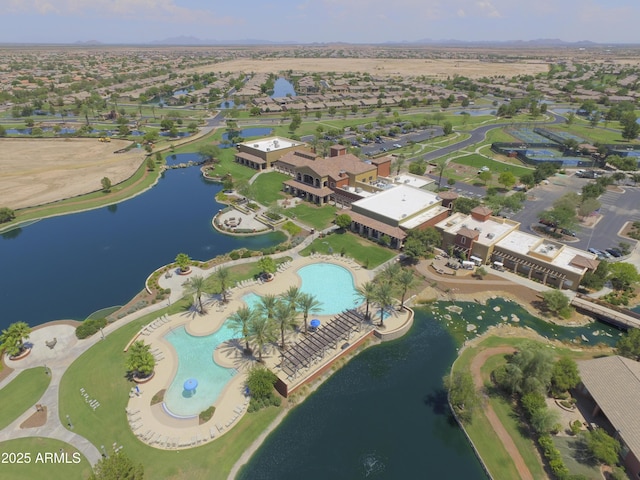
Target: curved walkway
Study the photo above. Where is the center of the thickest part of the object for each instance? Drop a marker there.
(68, 349)
(476, 364)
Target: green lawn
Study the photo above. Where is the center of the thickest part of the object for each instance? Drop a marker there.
(108, 423)
(594, 134)
(313, 215)
(37, 447)
(237, 273)
(496, 168)
(363, 251)
(22, 393)
(570, 451)
(268, 187)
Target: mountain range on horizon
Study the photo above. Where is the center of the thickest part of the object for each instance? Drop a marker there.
(186, 40)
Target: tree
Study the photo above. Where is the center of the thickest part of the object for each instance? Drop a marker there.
(241, 321)
(417, 168)
(587, 206)
(267, 264)
(555, 301)
(622, 275)
(209, 152)
(106, 184)
(528, 180)
(507, 179)
(543, 420)
(343, 221)
(307, 303)
(441, 164)
(630, 126)
(564, 375)
(414, 249)
(462, 395)
(602, 446)
(465, 204)
(383, 297)
(284, 317)
(485, 176)
(261, 382)
(222, 275)
(12, 338)
(151, 164)
(6, 214)
(528, 370)
(140, 362)
(366, 293)
(447, 128)
(398, 163)
(195, 286)
(183, 260)
(405, 280)
(262, 332)
(629, 344)
(3, 131)
(117, 466)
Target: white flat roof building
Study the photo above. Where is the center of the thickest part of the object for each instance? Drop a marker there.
(490, 231)
(412, 180)
(400, 203)
(554, 253)
(272, 144)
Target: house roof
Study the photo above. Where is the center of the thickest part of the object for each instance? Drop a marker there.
(614, 384)
(250, 157)
(585, 262)
(330, 166)
(467, 232)
(319, 191)
(482, 210)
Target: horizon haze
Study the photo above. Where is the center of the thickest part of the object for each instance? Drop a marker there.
(325, 21)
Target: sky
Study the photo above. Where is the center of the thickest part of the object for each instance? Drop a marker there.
(323, 21)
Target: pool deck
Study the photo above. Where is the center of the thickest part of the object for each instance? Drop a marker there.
(156, 427)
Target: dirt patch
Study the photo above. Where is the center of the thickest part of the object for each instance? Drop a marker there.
(438, 68)
(38, 419)
(39, 171)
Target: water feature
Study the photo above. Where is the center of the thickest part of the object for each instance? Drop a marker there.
(477, 112)
(382, 416)
(72, 265)
(251, 132)
(283, 87)
(335, 296)
(227, 104)
(195, 361)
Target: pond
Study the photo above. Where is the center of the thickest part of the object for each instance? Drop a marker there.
(283, 87)
(251, 132)
(384, 415)
(70, 266)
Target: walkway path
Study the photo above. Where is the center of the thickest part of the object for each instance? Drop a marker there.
(476, 364)
(68, 349)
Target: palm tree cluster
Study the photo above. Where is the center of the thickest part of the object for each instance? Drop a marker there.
(379, 292)
(140, 362)
(274, 316)
(12, 338)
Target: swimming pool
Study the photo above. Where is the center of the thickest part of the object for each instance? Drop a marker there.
(195, 360)
(331, 284)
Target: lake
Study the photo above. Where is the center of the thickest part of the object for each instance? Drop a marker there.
(283, 87)
(70, 266)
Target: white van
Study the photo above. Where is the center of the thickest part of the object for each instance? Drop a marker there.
(468, 265)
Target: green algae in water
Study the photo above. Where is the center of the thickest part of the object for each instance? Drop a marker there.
(466, 320)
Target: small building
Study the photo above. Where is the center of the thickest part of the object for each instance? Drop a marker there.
(613, 383)
(261, 154)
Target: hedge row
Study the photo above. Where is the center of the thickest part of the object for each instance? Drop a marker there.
(89, 327)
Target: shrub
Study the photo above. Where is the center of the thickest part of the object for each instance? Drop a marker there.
(234, 255)
(246, 254)
(89, 327)
(575, 427)
(260, 384)
(206, 415)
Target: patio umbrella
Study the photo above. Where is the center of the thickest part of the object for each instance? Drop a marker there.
(315, 323)
(190, 384)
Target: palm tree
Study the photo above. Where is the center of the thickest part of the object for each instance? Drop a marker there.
(261, 330)
(285, 318)
(267, 305)
(398, 163)
(195, 286)
(383, 297)
(389, 273)
(241, 321)
(141, 361)
(291, 297)
(222, 275)
(307, 303)
(366, 292)
(405, 281)
(12, 338)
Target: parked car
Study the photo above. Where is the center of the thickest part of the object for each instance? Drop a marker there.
(397, 145)
(569, 233)
(593, 250)
(548, 223)
(614, 252)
